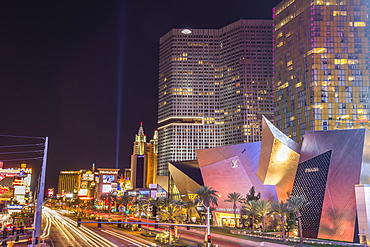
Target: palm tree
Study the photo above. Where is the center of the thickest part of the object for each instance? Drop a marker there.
(234, 198)
(179, 203)
(125, 200)
(160, 203)
(172, 213)
(190, 207)
(207, 195)
(282, 209)
(263, 208)
(140, 205)
(296, 203)
(249, 208)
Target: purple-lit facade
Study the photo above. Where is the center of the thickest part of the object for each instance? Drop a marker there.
(214, 86)
(321, 75)
(332, 163)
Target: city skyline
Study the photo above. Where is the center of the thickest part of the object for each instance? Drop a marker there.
(59, 73)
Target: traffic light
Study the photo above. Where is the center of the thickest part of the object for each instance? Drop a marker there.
(15, 230)
(21, 229)
(78, 222)
(5, 232)
(209, 239)
(29, 240)
(119, 225)
(37, 240)
(156, 225)
(139, 225)
(187, 227)
(99, 222)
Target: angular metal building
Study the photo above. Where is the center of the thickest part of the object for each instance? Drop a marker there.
(278, 160)
(332, 163)
(330, 170)
(270, 166)
(232, 169)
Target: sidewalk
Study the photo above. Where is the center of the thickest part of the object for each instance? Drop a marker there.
(239, 240)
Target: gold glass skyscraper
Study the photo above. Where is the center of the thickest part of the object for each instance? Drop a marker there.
(321, 76)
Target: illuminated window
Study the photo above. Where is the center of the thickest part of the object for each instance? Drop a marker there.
(318, 50)
(359, 24)
(340, 61)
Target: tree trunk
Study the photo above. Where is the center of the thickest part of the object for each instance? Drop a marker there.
(298, 213)
(109, 202)
(263, 224)
(235, 215)
(253, 218)
(169, 235)
(176, 230)
(283, 228)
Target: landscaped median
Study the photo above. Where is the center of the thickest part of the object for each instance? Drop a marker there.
(274, 240)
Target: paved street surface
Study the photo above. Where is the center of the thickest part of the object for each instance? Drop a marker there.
(62, 231)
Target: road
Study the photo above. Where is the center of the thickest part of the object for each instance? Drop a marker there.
(62, 231)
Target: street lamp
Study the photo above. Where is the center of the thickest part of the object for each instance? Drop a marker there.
(207, 237)
(40, 196)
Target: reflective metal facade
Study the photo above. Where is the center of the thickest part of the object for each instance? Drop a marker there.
(331, 164)
(349, 166)
(278, 160)
(233, 169)
(186, 177)
(310, 182)
(363, 215)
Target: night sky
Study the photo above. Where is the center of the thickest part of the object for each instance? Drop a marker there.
(59, 71)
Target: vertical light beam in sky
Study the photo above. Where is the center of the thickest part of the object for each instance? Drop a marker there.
(120, 45)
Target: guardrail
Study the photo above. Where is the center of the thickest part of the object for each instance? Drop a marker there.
(99, 222)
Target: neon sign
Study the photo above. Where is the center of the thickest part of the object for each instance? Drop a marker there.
(3, 189)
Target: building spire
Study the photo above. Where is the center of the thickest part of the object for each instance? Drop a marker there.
(140, 141)
(141, 130)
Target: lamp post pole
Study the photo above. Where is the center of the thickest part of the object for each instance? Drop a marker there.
(40, 196)
(208, 226)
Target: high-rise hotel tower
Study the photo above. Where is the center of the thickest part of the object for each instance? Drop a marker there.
(214, 85)
(321, 76)
(144, 160)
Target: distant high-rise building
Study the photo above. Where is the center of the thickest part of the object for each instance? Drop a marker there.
(321, 75)
(144, 160)
(68, 182)
(214, 86)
